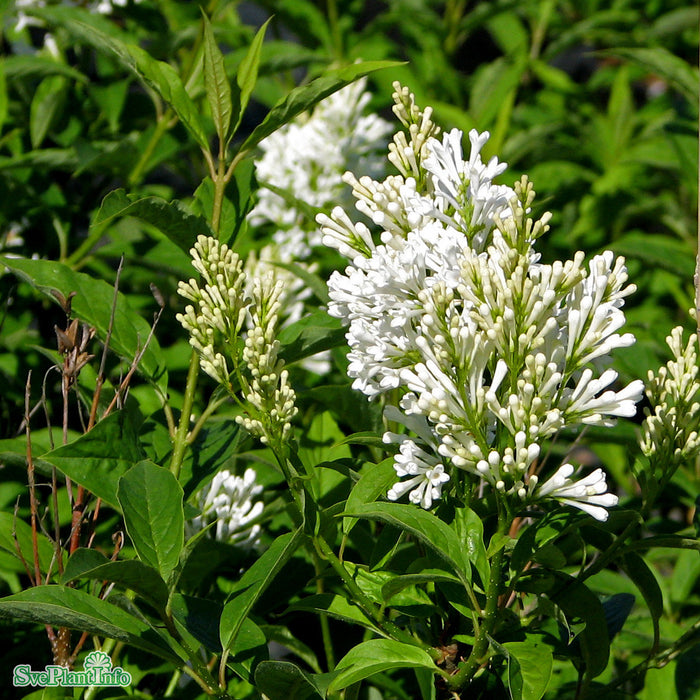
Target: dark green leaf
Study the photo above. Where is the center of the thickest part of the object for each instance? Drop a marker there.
(216, 83)
(660, 61)
(158, 75)
(100, 457)
(303, 98)
(61, 606)
(253, 583)
(282, 680)
(171, 218)
(375, 481)
(642, 576)
(151, 500)
(24, 68)
(398, 583)
(47, 103)
(375, 656)
(424, 526)
(23, 532)
(309, 335)
(529, 669)
(335, 606)
(92, 304)
(132, 574)
(247, 74)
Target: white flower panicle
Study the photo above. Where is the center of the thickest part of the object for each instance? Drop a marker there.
(670, 433)
(271, 397)
(449, 304)
(216, 316)
(226, 301)
(230, 501)
(307, 158)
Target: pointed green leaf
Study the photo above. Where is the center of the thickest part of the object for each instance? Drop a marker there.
(216, 83)
(99, 458)
(253, 582)
(643, 577)
(335, 606)
(33, 66)
(92, 304)
(171, 218)
(375, 656)
(151, 500)
(132, 574)
(282, 680)
(661, 62)
(247, 74)
(10, 524)
(61, 606)
(47, 102)
(316, 332)
(424, 526)
(375, 481)
(158, 75)
(529, 669)
(305, 97)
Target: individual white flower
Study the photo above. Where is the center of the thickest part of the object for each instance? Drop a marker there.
(426, 475)
(589, 494)
(230, 501)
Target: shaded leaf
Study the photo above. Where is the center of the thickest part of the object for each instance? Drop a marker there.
(375, 656)
(151, 500)
(92, 304)
(99, 458)
(61, 606)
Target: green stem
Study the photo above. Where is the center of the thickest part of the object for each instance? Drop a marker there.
(468, 669)
(181, 436)
(325, 628)
(162, 125)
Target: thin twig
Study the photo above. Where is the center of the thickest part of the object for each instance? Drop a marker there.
(134, 365)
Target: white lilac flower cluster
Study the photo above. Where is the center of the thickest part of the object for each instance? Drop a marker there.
(219, 311)
(492, 351)
(670, 434)
(307, 158)
(229, 500)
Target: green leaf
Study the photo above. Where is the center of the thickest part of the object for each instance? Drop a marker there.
(247, 74)
(397, 584)
(375, 656)
(657, 250)
(47, 103)
(642, 576)
(23, 532)
(216, 83)
(25, 68)
(61, 606)
(252, 584)
(529, 669)
(92, 304)
(171, 218)
(424, 526)
(303, 98)
(470, 530)
(151, 500)
(99, 458)
(282, 680)
(158, 75)
(132, 574)
(309, 335)
(375, 481)
(663, 63)
(576, 600)
(335, 606)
